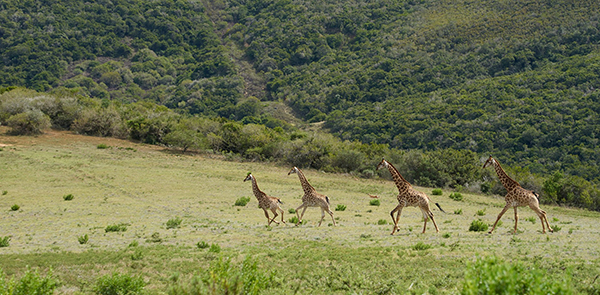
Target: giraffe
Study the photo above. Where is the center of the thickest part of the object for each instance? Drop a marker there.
(265, 201)
(311, 198)
(516, 196)
(408, 196)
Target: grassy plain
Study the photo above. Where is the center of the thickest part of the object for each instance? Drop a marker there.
(143, 187)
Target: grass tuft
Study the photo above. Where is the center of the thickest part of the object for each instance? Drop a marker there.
(382, 222)
(68, 197)
(102, 146)
(83, 239)
(174, 223)
(116, 227)
(243, 201)
(478, 225)
(339, 207)
(117, 283)
(456, 196)
(202, 245)
(420, 246)
(375, 202)
(4, 242)
(15, 207)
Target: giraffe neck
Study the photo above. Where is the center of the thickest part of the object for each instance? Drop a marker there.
(257, 192)
(507, 182)
(401, 183)
(308, 189)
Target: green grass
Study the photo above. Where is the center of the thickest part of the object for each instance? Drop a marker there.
(145, 189)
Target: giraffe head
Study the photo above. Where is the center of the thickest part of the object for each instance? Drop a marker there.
(383, 164)
(294, 170)
(248, 177)
(490, 161)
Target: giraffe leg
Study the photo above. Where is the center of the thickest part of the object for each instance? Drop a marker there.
(399, 210)
(322, 216)
(268, 218)
(542, 215)
(300, 217)
(331, 214)
(281, 210)
(546, 219)
(274, 215)
(516, 220)
(431, 216)
(499, 216)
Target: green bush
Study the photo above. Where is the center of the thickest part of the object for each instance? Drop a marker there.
(382, 222)
(242, 201)
(4, 242)
(28, 123)
(556, 228)
(15, 207)
(420, 246)
(339, 207)
(375, 202)
(118, 284)
(223, 277)
(437, 192)
(480, 212)
(102, 146)
(478, 225)
(4, 193)
(458, 211)
(456, 196)
(116, 227)
(30, 283)
(292, 210)
(489, 275)
(68, 197)
(214, 248)
(83, 239)
(174, 223)
(202, 245)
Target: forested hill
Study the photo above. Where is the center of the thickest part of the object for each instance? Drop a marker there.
(518, 79)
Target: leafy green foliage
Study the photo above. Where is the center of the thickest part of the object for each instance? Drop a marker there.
(202, 245)
(456, 196)
(214, 248)
(242, 201)
(116, 283)
(30, 283)
(174, 223)
(382, 222)
(374, 202)
(15, 207)
(102, 146)
(4, 241)
(116, 227)
(420, 246)
(339, 207)
(68, 197)
(437, 192)
(83, 239)
(458, 211)
(478, 225)
(490, 275)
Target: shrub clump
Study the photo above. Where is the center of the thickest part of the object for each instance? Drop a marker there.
(339, 207)
(456, 196)
(491, 276)
(420, 246)
(30, 283)
(83, 239)
(437, 192)
(243, 201)
(68, 197)
(117, 283)
(15, 207)
(478, 225)
(4, 242)
(174, 223)
(30, 122)
(102, 146)
(116, 227)
(202, 245)
(375, 202)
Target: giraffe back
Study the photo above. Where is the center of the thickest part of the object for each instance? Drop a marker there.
(413, 198)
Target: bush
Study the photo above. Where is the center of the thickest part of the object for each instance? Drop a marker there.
(117, 284)
(478, 225)
(116, 227)
(4, 193)
(556, 228)
(292, 210)
(224, 278)
(4, 242)
(458, 211)
(202, 245)
(456, 196)
(382, 222)
(174, 223)
(214, 248)
(420, 246)
(242, 201)
(492, 276)
(29, 123)
(339, 207)
(437, 192)
(102, 146)
(83, 239)
(480, 212)
(15, 207)
(374, 202)
(68, 197)
(155, 238)
(30, 283)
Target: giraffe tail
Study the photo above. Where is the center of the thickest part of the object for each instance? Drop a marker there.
(279, 201)
(438, 205)
(327, 199)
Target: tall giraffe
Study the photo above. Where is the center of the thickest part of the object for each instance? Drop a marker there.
(516, 196)
(311, 198)
(407, 196)
(265, 201)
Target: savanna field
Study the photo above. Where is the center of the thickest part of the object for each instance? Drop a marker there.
(170, 221)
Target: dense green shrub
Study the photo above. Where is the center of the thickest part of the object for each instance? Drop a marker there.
(30, 283)
(375, 202)
(456, 196)
(202, 245)
(5, 241)
(478, 225)
(116, 227)
(83, 239)
(68, 197)
(174, 223)
(117, 284)
(437, 192)
(15, 207)
(243, 201)
(339, 207)
(30, 122)
(490, 275)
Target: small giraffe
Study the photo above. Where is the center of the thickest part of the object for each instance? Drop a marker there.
(516, 196)
(311, 198)
(265, 201)
(408, 196)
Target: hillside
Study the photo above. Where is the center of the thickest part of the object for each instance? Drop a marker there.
(141, 190)
(517, 79)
